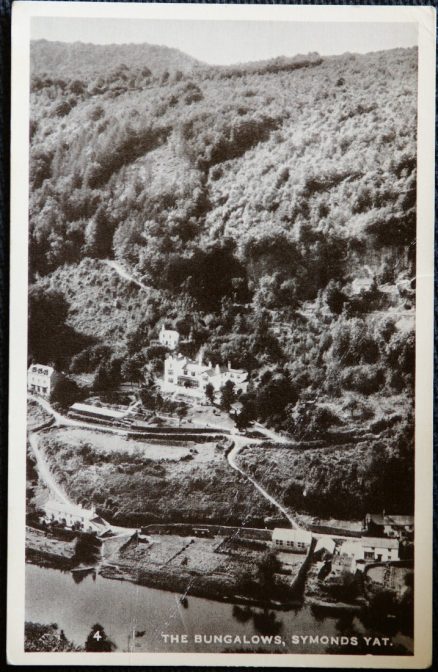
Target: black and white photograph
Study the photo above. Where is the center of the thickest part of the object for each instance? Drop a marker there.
(218, 362)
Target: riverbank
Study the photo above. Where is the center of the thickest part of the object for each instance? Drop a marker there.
(225, 569)
(218, 568)
(47, 550)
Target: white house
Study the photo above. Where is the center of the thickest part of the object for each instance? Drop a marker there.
(169, 338)
(42, 379)
(389, 525)
(352, 555)
(380, 549)
(325, 545)
(71, 516)
(186, 376)
(285, 539)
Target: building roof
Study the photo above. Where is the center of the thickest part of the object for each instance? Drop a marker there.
(53, 506)
(352, 548)
(399, 520)
(286, 534)
(379, 542)
(42, 369)
(172, 332)
(389, 519)
(98, 410)
(97, 520)
(325, 542)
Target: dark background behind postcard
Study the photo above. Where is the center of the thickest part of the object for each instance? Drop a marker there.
(5, 44)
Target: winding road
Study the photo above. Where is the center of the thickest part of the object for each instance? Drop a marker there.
(46, 475)
(60, 420)
(239, 443)
(121, 270)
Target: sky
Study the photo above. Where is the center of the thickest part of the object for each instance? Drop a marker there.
(226, 42)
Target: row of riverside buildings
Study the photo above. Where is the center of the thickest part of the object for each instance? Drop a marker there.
(353, 553)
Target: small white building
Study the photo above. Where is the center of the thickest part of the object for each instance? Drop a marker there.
(169, 338)
(89, 411)
(380, 549)
(186, 376)
(286, 539)
(42, 379)
(355, 554)
(324, 545)
(71, 516)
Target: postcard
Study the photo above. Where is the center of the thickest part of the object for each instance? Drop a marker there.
(221, 335)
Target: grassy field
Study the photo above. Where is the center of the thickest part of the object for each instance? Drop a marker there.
(133, 483)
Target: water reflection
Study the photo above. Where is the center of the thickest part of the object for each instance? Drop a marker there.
(265, 622)
(78, 601)
(80, 575)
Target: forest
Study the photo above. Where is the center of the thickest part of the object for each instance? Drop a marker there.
(270, 209)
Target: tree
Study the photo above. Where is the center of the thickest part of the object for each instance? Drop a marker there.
(132, 368)
(97, 640)
(335, 298)
(210, 393)
(242, 420)
(227, 395)
(66, 392)
(99, 235)
(107, 375)
(48, 312)
(181, 412)
(268, 567)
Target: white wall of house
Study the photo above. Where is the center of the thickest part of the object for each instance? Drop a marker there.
(380, 553)
(42, 379)
(191, 377)
(169, 338)
(285, 539)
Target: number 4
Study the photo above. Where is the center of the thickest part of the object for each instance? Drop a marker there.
(97, 635)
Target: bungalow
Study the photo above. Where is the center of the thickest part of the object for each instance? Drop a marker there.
(169, 338)
(72, 516)
(352, 555)
(42, 379)
(388, 525)
(99, 413)
(325, 546)
(379, 549)
(296, 541)
(186, 376)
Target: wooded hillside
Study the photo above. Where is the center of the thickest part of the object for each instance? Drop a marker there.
(270, 208)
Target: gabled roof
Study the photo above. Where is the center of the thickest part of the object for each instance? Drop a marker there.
(42, 369)
(399, 520)
(379, 542)
(98, 410)
(352, 548)
(325, 542)
(97, 520)
(52, 505)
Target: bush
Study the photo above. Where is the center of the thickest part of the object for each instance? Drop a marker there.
(364, 379)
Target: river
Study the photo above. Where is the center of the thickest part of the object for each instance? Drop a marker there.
(75, 604)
